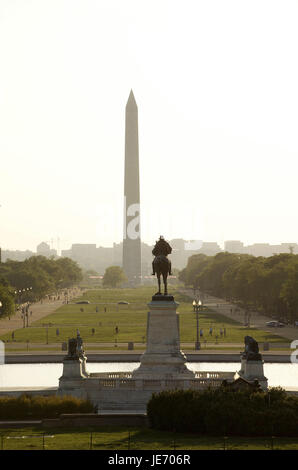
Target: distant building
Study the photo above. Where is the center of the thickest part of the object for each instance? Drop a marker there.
(88, 256)
(258, 249)
(44, 249)
(233, 246)
(289, 247)
(264, 249)
(66, 253)
(209, 248)
(193, 245)
(85, 254)
(16, 255)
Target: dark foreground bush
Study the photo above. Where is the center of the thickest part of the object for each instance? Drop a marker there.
(38, 407)
(225, 412)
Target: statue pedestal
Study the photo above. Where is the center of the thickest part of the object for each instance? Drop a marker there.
(72, 376)
(163, 358)
(253, 370)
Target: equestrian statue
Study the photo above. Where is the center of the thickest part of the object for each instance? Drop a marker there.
(161, 265)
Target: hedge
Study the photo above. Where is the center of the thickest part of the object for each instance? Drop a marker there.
(220, 411)
(38, 407)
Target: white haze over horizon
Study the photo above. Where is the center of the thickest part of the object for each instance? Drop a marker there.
(216, 86)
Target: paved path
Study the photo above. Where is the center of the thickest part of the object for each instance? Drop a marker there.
(257, 320)
(39, 310)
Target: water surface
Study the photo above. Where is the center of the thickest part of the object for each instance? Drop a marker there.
(47, 375)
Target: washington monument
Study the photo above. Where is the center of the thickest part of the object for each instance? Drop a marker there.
(132, 236)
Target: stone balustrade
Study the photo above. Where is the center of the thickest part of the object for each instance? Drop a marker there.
(201, 382)
(128, 375)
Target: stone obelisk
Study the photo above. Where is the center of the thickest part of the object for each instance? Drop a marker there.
(132, 236)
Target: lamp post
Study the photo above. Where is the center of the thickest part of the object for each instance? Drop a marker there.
(196, 307)
(20, 292)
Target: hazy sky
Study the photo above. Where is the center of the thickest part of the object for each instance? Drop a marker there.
(216, 87)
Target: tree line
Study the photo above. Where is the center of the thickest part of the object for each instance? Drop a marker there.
(32, 279)
(269, 285)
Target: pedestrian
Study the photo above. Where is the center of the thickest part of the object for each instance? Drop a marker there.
(210, 330)
(31, 312)
(105, 309)
(201, 332)
(220, 332)
(116, 330)
(93, 331)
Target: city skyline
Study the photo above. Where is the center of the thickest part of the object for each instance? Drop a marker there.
(98, 258)
(217, 120)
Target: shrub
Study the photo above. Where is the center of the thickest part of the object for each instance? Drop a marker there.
(225, 412)
(39, 407)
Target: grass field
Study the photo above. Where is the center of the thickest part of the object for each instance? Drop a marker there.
(131, 322)
(120, 438)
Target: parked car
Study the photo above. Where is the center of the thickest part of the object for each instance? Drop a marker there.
(275, 324)
(83, 302)
(272, 323)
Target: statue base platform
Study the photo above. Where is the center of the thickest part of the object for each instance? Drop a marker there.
(253, 370)
(163, 358)
(162, 298)
(74, 371)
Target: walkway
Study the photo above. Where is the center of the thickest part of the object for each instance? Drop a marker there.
(39, 310)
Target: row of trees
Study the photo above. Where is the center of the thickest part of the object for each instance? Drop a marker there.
(269, 284)
(42, 275)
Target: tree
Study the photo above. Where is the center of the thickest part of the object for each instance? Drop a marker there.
(289, 291)
(42, 274)
(113, 276)
(7, 301)
(195, 266)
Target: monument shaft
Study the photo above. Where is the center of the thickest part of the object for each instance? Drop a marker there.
(132, 237)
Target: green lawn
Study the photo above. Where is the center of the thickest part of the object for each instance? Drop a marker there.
(131, 321)
(120, 438)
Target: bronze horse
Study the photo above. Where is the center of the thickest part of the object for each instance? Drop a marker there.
(161, 265)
